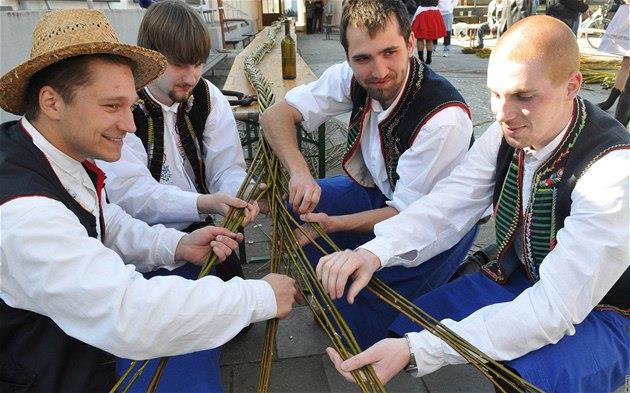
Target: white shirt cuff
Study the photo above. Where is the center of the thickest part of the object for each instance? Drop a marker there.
(265, 298)
(166, 244)
(428, 352)
(385, 251)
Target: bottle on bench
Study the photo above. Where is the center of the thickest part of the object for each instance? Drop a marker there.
(288, 52)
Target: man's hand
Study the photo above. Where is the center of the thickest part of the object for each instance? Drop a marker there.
(284, 288)
(195, 246)
(304, 192)
(388, 357)
(262, 203)
(326, 222)
(333, 271)
(221, 202)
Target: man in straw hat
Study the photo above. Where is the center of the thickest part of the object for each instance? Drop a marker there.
(184, 161)
(555, 303)
(67, 299)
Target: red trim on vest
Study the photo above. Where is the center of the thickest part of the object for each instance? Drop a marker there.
(351, 153)
(433, 113)
(100, 184)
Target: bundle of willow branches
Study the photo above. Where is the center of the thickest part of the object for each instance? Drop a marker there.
(287, 253)
(598, 70)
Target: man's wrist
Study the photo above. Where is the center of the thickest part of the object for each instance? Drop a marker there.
(334, 224)
(372, 258)
(412, 366)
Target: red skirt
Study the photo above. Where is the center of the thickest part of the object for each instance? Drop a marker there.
(428, 25)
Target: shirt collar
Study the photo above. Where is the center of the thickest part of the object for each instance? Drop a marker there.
(56, 156)
(544, 152)
(171, 108)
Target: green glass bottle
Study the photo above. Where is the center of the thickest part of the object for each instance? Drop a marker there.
(288, 52)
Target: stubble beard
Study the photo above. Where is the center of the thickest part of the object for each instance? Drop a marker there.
(178, 98)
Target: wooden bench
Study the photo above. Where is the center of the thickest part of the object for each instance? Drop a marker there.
(235, 42)
(471, 32)
(213, 59)
(270, 67)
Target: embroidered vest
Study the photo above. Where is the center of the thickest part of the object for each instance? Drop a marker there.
(35, 354)
(190, 125)
(424, 94)
(591, 135)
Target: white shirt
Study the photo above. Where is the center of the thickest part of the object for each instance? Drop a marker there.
(49, 265)
(447, 6)
(173, 201)
(591, 254)
(441, 143)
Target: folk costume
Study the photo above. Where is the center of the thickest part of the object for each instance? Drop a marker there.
(554, 305)
(393, 157)
(177, 153)
(68, 301)
(427, 22)
(169, 164)
(72, 281)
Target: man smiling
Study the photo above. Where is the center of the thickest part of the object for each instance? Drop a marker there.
(68, 301)
(409, 128)
(554, 305)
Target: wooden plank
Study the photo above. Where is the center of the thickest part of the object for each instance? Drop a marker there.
(270, 66)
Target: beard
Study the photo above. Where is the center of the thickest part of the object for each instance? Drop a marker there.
(179, 96)
(385, 96)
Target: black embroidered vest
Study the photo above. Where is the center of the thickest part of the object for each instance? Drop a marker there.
(424, 94)
(591, 135)
(190, 124)
(35, 354)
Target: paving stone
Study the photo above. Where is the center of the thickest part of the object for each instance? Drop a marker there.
(299, 335)
(244, 348)
(460, 378)
(289, 375)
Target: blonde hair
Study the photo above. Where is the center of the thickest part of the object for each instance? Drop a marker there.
(541, 38)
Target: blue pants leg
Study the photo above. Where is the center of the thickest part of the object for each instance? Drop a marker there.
(595, 359)
(369, 318)
(197, 372)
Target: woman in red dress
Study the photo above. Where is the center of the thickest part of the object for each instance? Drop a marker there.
(427, 25)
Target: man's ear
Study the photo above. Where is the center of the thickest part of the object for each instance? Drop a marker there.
(574, 84)
(411, 44)
(50, 103)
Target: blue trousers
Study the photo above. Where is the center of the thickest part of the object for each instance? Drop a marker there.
(193, 372)
(369, 318)
(595, 359)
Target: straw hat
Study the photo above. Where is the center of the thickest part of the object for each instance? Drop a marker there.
(68, 33)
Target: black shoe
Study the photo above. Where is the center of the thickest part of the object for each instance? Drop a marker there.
(614, 93)
(622, 112)
(474, 262)
(480, 46)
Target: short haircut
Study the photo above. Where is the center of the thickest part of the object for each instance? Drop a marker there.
(542, 38)
(65, 76)
(177, 31)
(373, 15)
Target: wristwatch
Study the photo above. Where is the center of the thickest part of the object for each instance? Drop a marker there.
(412, 367)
